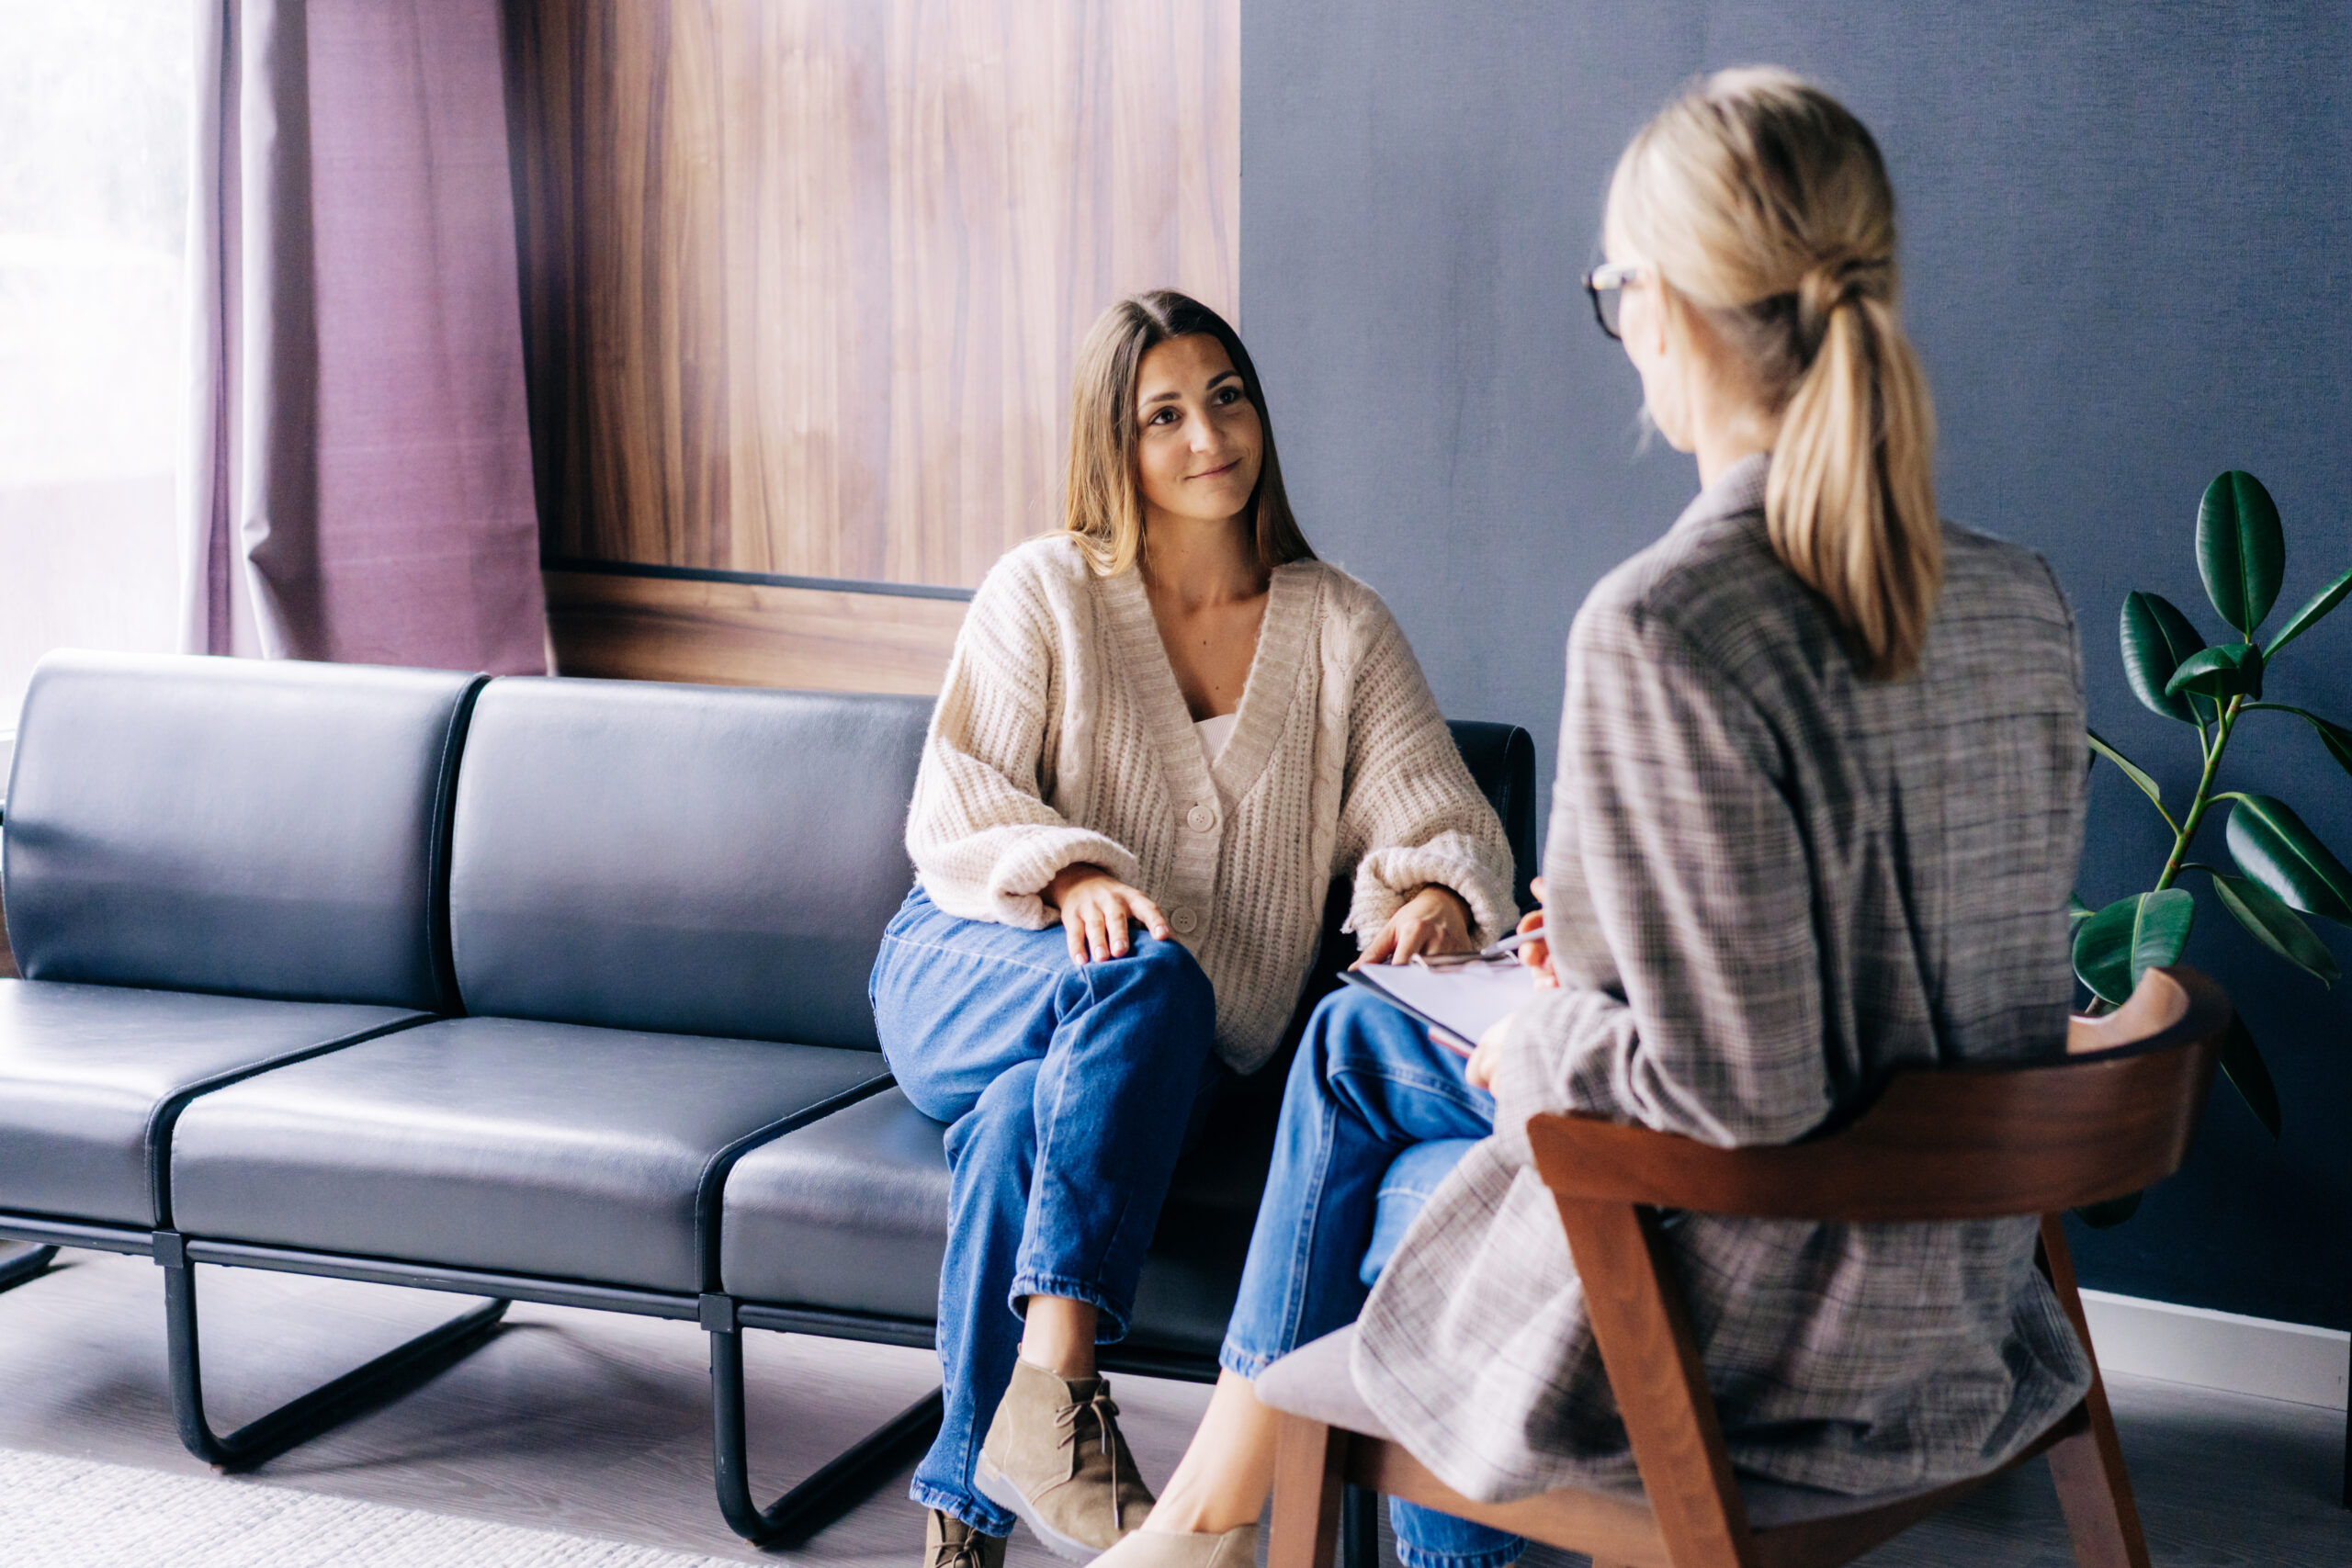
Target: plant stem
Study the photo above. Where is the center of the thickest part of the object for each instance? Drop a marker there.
(2188, 824)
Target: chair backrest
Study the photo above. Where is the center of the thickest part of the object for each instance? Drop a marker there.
(1947, 1143)
(260, 828)
(695, 859)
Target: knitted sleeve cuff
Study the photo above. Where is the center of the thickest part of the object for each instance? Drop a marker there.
(1386, 877)
(1040, 854)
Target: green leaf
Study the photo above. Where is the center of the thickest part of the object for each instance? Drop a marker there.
(2156, 637)
(2131, 936)
(2131, 771)
(2272, 846)
(2240, 553)
(2234, 670)
(2243, 1065)
(2326, 598)
(2076, 912)
(2107, 1215)
(2334, 735)
(2274, 925)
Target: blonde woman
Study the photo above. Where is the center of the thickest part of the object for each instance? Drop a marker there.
(1163, 732)
(1818, 807)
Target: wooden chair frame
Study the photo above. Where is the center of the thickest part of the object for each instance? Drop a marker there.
(2115, 1117)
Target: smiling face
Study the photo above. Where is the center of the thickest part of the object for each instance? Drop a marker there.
(1199, 442)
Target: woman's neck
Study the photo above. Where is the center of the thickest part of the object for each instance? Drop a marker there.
(1200, 561)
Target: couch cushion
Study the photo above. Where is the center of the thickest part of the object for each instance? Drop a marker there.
(481, 1142)
(850, 1214)
(84, 1071)
(685, 858)
(264, 827)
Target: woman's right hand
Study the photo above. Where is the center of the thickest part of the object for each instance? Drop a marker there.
(1536, 953)
(1096, 907)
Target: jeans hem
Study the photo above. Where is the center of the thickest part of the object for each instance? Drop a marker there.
(1245, 1363)
(980, 1515)
(1500, 1557)
(1111, 1320)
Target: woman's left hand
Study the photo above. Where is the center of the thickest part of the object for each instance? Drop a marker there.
(1478, 1072)
(1432, 920)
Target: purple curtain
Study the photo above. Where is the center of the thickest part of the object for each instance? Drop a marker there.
(358, 485)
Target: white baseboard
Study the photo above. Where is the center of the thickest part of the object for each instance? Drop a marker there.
(2220, 1350)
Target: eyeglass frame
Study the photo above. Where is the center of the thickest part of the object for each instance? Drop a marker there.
(1614, 277)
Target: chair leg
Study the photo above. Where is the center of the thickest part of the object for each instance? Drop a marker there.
(1309, 1464)
(2094, 1488)
(839, 1486)
(355, 1392)
(1359, 1527)
(18, 1264)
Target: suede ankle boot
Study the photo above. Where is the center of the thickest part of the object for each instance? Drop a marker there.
(1053, 1457)
(949, 1542)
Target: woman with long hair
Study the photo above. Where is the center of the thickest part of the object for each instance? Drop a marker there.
(1164, 731)
(1818, 805)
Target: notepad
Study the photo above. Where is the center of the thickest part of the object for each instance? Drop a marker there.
(1460, 1003)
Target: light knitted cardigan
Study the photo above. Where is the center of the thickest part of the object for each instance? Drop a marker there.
(1060, 737)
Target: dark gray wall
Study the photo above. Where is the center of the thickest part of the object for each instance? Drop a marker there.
(2126, 250)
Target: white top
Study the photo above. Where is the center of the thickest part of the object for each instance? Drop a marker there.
(1060, 737)
(1214, 732)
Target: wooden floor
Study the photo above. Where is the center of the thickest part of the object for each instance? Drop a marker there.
(599, 1425)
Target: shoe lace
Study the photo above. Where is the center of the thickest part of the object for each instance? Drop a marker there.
(1105, 1412)
(961, 1554)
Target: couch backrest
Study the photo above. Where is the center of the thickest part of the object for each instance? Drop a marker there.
(259, 827)
(697, 860)
(1501, 758)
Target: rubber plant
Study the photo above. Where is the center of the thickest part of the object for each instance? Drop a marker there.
(2281, 871)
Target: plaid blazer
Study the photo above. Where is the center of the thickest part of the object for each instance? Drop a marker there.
(1770, 882)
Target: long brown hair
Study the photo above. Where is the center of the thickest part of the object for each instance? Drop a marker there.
(1758, 198)
(1105, 508)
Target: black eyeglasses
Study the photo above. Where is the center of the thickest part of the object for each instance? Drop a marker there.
(1605, 286)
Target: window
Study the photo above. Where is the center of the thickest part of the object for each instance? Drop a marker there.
(94, 133)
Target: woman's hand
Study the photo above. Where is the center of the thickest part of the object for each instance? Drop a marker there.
(1478, 1072)
(1095, 908)
(1432, 920)
(1536, 953)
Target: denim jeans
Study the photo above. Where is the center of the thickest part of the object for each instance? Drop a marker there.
(1057, 1081)
(1373, 1117)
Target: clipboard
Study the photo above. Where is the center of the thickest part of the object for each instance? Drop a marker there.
(1458, 1003)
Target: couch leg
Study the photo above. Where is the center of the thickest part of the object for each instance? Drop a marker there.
(18, 1266)
(355, 1392)
(839, 1486)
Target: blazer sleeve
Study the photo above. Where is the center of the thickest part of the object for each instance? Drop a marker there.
(984, 840)
(1410, 813)
(1679, 894)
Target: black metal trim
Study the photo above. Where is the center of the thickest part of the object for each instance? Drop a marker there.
(711, 1189)
(31, 1265)
(756, 579)
(166, 1114)
(440, 844)
(355, 1394)
(41, 1229)
(838, 1486)
(434, 1276)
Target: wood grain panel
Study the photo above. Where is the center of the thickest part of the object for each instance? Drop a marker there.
(802, 278)
(748, 634)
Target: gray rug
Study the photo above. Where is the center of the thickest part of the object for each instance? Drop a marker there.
(71, 1513)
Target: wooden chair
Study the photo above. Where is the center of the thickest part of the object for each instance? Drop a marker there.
(1962, 1144)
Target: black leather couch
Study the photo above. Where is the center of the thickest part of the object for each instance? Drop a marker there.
(534, 989)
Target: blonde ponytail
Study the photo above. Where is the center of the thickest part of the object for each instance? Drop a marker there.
(1758, 198)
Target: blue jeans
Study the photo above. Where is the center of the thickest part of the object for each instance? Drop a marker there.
(1373, 1117)
(1057, 1081)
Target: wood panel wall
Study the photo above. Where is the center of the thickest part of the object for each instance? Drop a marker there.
(803, 279)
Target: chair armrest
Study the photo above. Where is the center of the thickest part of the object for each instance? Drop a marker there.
(1949, 1144)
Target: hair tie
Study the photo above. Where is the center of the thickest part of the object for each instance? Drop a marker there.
(1832, 282)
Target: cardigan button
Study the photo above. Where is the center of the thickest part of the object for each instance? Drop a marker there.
(1184, 922)
(1200, 819)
